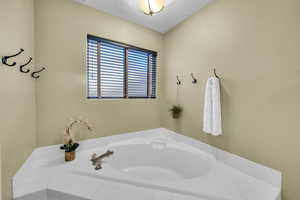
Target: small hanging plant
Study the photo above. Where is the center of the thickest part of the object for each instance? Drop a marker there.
(176, 111)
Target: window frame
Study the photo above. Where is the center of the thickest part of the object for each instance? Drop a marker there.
(126, 48)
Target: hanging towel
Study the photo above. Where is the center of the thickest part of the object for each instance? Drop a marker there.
(212, 121)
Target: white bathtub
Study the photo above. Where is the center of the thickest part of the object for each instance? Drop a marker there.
(157, 159)
(149, 165)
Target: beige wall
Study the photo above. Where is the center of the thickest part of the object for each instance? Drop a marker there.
(61, 30)
(253, 44)
(17, 90)
(0, 172)
(255, 47)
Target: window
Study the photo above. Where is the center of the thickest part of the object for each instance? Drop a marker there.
(116, 70)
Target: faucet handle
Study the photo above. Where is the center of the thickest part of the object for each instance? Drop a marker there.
(98, 166)
(94, 156)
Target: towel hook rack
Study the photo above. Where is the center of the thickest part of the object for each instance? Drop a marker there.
(22, 66)
(178, 80)
(5, 58)
(194, 81)
(33, 74)
(215, 73)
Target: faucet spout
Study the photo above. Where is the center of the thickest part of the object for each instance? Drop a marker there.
(98, 160)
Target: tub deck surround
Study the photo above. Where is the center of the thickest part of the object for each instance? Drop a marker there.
(155, 164)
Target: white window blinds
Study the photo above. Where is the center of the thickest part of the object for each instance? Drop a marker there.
(111, 70)
(115, 70)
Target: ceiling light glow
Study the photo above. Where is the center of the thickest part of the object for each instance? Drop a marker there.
(151, 7)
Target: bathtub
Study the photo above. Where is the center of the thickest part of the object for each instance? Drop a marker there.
(156, 164)
(157, 159)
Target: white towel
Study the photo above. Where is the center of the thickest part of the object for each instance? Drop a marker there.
(212, 121)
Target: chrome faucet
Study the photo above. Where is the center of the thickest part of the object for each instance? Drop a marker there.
(98, 161)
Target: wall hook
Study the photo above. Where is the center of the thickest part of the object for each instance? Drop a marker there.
(194, 81)
(22, 66)
(5, 58)
(178, 81)
(33, 74)
(215, 73)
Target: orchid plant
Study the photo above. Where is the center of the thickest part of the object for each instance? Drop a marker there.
(70, 144)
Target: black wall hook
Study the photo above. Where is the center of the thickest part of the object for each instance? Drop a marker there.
(22, 66)
(215, 73)
(5, 58)
(178, 81)
(33, 74)
(194, 81)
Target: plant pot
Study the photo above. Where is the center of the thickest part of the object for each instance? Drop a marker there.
(69, 156)
(176, 116)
